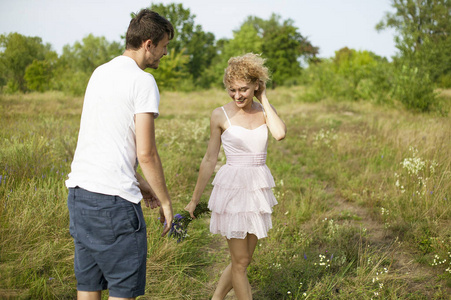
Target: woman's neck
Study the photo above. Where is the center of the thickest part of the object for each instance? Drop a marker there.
(248, 108)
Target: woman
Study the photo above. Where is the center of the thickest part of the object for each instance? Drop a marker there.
(241, 201)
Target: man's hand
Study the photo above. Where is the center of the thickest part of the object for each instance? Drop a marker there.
(151, 200)
(166, 217)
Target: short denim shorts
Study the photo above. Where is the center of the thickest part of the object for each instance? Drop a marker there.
(110, 243)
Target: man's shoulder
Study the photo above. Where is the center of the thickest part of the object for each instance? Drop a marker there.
(125, 67)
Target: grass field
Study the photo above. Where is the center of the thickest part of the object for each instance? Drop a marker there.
(364, 201)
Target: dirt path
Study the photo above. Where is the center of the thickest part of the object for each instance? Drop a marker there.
(418, 277)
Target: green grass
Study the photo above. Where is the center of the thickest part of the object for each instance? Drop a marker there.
(365, 187)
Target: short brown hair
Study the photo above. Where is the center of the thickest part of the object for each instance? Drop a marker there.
(249, 67)
(147, 25)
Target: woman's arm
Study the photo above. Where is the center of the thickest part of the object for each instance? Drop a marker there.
(275, 124)
(209, 161)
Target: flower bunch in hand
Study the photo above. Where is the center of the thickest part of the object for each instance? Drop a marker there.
(179, 227)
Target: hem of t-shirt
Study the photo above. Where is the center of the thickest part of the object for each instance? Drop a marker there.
(156, 113)
(106, 191)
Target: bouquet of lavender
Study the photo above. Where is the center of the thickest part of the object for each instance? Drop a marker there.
(179, 227)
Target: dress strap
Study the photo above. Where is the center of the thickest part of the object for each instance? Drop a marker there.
(226, 115)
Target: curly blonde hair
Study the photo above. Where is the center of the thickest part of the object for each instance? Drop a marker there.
(248, 67)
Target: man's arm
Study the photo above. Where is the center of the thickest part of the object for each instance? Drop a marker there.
(150, 163)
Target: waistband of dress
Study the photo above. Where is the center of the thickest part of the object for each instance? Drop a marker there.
(244, 159)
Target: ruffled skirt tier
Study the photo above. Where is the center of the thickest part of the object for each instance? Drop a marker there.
(241, 201)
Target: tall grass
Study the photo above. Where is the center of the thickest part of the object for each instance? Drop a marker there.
(340, 202)
(363, 197)
(37, 141)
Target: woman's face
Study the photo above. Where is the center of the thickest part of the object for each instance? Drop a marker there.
(242, 92)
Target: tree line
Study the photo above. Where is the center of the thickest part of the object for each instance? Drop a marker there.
(196, 60)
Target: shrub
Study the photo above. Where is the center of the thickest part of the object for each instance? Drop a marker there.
(414, 89)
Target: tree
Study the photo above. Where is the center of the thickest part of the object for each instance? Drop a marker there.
(277, 41)
(423, 37)
(17, 53)
(90, 53)
(38, 75)
(350, 75)
(354, 66)
(364, 75)
(283, 46)
(201, 52)
(246, 39)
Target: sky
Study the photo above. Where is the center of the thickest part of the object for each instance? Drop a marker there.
(328, 24)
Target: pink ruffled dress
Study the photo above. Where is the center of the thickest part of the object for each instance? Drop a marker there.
(241, 201)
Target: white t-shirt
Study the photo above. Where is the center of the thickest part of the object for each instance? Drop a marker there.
(105, 159)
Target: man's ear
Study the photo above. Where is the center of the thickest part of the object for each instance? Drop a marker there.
(147, 44)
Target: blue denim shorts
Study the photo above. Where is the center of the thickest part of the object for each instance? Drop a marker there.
(110, 243)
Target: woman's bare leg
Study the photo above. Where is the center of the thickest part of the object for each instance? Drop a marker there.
(235, 274)
(224, 285)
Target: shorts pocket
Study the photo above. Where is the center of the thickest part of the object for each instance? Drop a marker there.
(134, 218)
(98, 226)
(129, 219)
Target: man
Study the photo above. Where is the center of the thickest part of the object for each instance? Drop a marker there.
(116, 131)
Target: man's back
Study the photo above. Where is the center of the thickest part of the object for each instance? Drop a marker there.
(105, 158)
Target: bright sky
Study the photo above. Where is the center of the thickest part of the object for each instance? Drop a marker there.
(328, 24)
